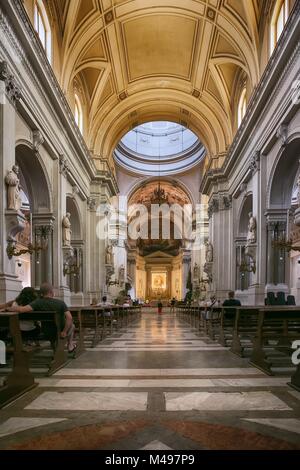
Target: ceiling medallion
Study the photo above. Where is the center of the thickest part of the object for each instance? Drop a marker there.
(123, 95)
(196, 93)
(109, 17)
(211, 14)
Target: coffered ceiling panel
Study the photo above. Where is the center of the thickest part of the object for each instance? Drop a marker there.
(165, 46)
(140, 60)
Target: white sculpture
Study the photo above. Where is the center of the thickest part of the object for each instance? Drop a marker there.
(209, 256)
(251, 237)
(67, 232)
(14, 201)
(121, 275)
(109, 255)
(196, 271)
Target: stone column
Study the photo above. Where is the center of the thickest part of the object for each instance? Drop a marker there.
(186, 266)
(276, 257)
(42, 260)
(221, 236)
(12, 222)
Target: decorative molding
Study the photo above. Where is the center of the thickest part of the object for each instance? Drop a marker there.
(273, 78)
(64, 165)
(213, 207)
(37, 140)
(109, 17)
(92, 203)
(13, 43)
(254, 164)
(75, 190)
(13, 90)
(282, 134)
(226, 202)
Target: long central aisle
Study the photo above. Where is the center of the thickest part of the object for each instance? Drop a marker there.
(155, 385)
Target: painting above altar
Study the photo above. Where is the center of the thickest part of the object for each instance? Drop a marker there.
(159, 282)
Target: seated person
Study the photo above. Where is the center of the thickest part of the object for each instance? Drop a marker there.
(47, 303)
(30, 330)
(104, 303)
(231, 301)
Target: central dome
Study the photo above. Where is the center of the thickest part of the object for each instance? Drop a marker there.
(159, 147)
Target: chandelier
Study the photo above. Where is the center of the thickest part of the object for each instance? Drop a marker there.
(159, 195)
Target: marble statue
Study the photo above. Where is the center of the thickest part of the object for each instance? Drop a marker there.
(251, 237)
(121, 275)
(196, 271)
(67, 232)
(14, 201)
(108, 255)
(209, 253)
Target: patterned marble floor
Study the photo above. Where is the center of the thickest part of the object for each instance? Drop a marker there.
(155, 385)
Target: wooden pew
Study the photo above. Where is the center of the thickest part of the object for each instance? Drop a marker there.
(20, 380)
(77, 319)
(281, 324)
(60, 355)
(245, 326)
(295, 379)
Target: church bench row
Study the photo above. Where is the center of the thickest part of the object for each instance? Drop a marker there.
(265, 331)
(20, 378)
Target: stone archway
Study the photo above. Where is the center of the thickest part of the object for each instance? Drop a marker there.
(36, 190)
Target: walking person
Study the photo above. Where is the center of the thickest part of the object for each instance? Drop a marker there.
(173, 304)
(160, 306)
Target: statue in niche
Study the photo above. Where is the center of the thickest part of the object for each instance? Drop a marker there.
(121, 275)
(196, 271)
(109, 255)
(12, 180)
(67, 232)
(209, 256)
(251, 237)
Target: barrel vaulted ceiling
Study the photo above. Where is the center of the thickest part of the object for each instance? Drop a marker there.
(143, 60)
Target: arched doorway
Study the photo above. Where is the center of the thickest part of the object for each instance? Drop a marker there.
(74, 272)
(37, 206)
(283, 269)
(159, 251)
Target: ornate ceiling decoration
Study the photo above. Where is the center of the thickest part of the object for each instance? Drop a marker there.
(147, 60)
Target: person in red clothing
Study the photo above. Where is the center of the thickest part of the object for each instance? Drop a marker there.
(160, 306)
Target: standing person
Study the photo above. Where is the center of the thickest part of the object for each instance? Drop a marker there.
(160, 306)
(173, 303)
(47, 303)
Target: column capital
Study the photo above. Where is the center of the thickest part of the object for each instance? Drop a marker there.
(12, 89)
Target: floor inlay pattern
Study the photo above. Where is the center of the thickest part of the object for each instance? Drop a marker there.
(156, 385)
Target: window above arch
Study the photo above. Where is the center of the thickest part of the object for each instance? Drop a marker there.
(279, 18)
(42, 27)
(78, 114)
(242, 106)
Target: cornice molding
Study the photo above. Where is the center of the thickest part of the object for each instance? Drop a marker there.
(17, 14)
(276, 72)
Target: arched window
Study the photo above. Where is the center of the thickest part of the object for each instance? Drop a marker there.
(42, 27)
(242, 106)
(78, 115)
(279, 18)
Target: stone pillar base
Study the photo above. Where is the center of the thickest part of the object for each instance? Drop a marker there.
(10, 287)
(64, 294)
(77, 299)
